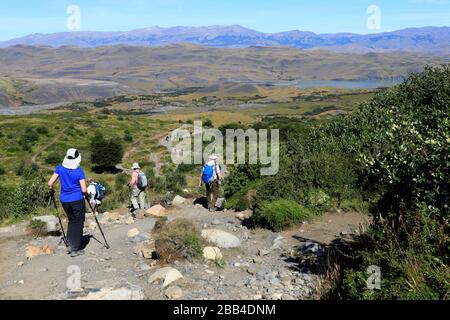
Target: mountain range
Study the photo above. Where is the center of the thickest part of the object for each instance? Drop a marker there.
(434, 40)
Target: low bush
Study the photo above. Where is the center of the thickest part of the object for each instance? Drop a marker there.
(54, 158)
(280, 214)
(177, 240)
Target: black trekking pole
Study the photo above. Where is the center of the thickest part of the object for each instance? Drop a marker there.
(98, 223)
(52, 199)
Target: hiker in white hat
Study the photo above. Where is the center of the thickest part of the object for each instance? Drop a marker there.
(73, 192)
(138, 185)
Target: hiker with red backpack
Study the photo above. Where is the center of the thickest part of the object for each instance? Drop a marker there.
(212, 178)
(138, 185)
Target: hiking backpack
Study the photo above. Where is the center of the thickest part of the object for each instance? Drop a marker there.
(142, 180)
(208, 173)
(99, 192)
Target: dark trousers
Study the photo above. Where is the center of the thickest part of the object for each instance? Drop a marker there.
(212, 194)
(76, 212)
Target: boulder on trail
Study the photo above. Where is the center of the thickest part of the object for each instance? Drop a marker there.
(177, 201)
(144, 250)
(157, 211)
(174, 293)
(132, 233)
(32, 251)
(110, 217)
(212, 253)
(221, 238)
(167, 274)
(51, 223)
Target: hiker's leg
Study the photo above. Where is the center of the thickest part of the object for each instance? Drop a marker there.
(215, 193)
(208, 196)
(134, 198)
(142, 197)
(76, 212)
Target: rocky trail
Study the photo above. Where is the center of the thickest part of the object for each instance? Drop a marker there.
(250, 264)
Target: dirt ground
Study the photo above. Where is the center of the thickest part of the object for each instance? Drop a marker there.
(245, 274)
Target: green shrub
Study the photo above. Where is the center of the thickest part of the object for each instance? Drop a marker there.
(42, 130)
(207, 123)
(54, 158)
(128, 137)
(280, 214)
(105, 153)
(402, 138)
(2, 171)
(318, 201)
(31, 194)
(355, 205)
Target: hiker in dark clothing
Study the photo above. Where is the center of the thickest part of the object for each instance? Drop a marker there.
(73, 192)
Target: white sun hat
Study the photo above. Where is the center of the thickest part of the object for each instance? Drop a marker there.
(135, 166)
(72, 160)
(213, 157)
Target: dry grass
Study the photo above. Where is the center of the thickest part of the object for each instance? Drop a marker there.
(177, 240)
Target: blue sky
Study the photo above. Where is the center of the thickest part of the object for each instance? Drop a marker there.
(20, 17)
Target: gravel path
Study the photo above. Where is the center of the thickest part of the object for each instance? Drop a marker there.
(262, 268)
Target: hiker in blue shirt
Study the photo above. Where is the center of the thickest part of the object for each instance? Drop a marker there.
(212, 178)
(73, 193)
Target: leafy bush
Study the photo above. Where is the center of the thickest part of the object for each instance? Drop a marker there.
(128, 137)
(318, 201)
(54, 158)
(42, 130)
(105, 153)
(280, 214)
(28, 138)
(2, 171)
(6, 203)
(31, 194)
(409, 170)
(207, 123)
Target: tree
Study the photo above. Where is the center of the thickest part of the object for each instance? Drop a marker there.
(105, 154)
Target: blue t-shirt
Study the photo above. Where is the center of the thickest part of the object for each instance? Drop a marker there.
(70, 184)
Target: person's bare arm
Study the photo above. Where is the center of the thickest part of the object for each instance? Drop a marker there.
(52, 181)
(83, 186)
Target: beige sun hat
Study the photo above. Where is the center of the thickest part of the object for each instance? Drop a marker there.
(135, 166)
(213, 157)
(72, 160)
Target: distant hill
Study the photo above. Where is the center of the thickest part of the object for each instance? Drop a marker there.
(48, 75)
(427, 39)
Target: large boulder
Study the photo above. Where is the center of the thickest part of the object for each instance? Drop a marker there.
(178, 201)
(221, 238)
(212, 253)
(174, 293)
(157, 211)
(133, 233)
(51, 223)
(167, 274)
(109, 217)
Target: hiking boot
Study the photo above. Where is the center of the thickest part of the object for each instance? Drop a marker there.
(212, 209)
(78, 253)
